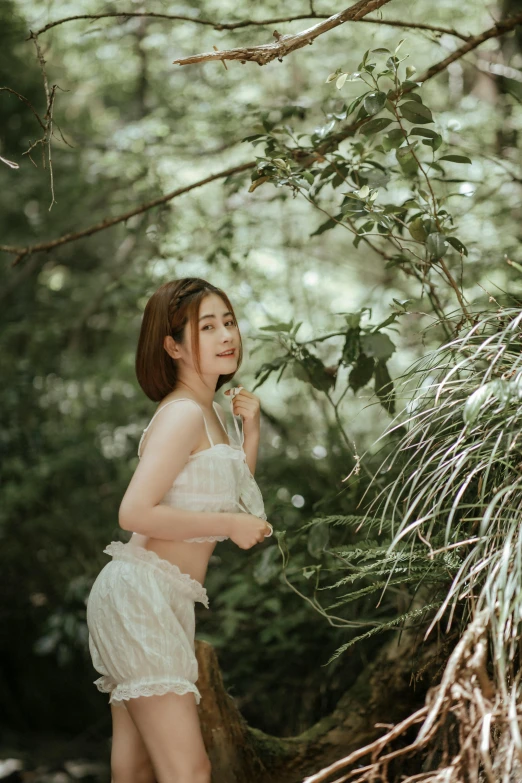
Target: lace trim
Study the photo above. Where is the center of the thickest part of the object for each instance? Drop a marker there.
(236, 453)
(124, 692)
(121, 551)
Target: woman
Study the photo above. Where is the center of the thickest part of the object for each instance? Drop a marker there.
(191, 488)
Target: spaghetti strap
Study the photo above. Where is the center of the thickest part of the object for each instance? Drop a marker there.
(240, 434)
(219, 417)
(164, 406)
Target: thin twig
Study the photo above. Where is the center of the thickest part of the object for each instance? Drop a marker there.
(50, 94)
(21, 252)
(251, 22)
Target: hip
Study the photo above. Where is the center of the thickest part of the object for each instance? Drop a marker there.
(134, 569)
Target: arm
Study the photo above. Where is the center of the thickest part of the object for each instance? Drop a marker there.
(169, 444)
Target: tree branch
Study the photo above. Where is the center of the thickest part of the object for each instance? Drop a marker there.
(249, 22)
(13, 92)
(474, 41)
(285, 44)
(22, 252)
(500, 28)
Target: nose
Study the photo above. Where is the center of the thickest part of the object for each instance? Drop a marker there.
(225, 334)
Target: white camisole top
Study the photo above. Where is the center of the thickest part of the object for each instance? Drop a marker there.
(213, 479)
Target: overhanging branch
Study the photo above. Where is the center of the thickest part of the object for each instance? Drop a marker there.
(285, 44)
(22, 252)
(500, 28)
(248, 22)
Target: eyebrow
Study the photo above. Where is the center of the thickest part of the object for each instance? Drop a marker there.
(212, 315)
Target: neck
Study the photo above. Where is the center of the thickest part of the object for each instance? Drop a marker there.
(201, 390)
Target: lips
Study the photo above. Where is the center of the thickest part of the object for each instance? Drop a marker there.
(226, 354)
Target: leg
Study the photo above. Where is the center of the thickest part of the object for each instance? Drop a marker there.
(130, 761)
(169, 725)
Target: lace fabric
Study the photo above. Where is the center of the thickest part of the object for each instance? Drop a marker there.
(126, 691)
(191, 587)
(214, 479)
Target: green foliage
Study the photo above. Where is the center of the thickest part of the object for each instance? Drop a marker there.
(366, 350)
(387, 165)
(457, 487)
(418, 225)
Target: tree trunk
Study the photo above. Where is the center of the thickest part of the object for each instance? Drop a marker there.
(383, 693)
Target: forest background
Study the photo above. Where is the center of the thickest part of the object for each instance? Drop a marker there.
(337, 296)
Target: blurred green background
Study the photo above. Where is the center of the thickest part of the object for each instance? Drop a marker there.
(129, 127)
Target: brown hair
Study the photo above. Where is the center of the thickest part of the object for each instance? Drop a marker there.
(167, 312)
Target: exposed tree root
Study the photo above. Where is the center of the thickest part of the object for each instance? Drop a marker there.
(241, 754)
(469, 734)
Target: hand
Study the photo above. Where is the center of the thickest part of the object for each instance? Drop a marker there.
(248, 406)
(247, 530)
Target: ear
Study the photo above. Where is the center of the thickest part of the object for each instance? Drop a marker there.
(171, 347)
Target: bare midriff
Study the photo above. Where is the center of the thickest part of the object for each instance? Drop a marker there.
(191, 558)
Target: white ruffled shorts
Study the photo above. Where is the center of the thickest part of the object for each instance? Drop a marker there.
(141, 621)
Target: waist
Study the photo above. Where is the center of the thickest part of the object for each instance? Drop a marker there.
(190, 558)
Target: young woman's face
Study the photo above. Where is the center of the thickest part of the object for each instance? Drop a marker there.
(218, 337)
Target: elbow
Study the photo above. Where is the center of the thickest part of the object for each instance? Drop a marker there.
(127, 517)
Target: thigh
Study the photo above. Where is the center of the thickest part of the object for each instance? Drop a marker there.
(130, 760)
(169, 725)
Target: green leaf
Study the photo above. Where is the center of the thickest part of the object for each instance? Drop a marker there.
(393, 139)
(280, 327)
(457, 244)
(416, 112)
(406, 160)
(362, 372)
(377, 345)
(375, 125)
(456, 158)
(355, 103)
(326, 226)
(311, 370)
(428, 132)
(384, 386)
(374, 102)
(381, 50)
(433, 143)
(436, 244)
(317, 540)
(418, 230)
(480, 397)
(341, 80)
(267, 566)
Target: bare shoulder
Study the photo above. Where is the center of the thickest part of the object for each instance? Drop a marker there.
(173, 424)
(186, 414)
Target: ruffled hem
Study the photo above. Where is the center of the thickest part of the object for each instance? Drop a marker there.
(121, 551)
(126, 691)
(202, 539)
